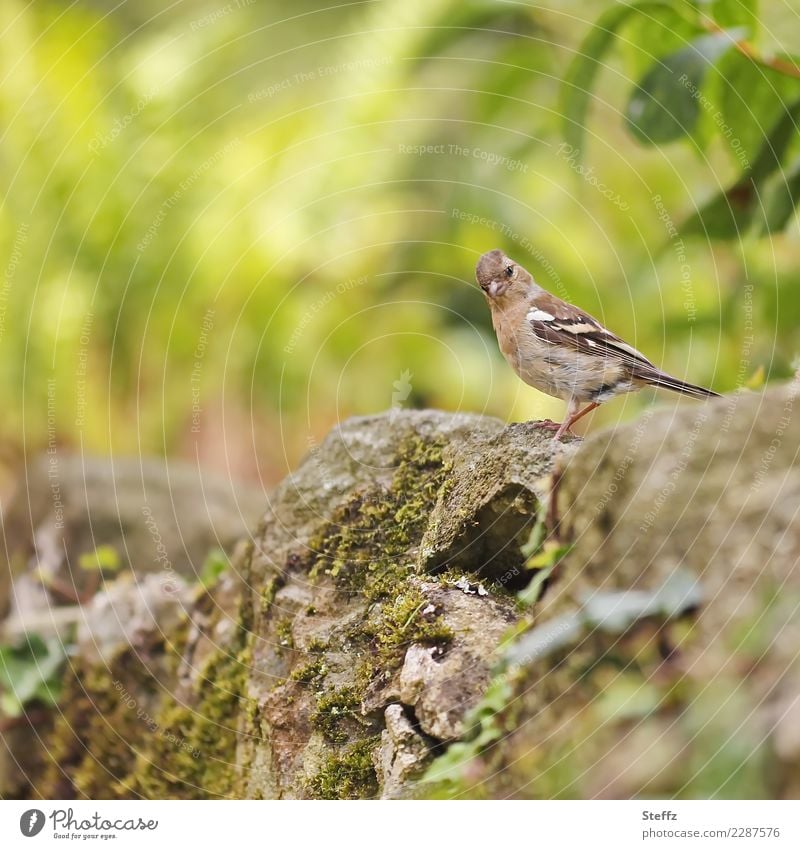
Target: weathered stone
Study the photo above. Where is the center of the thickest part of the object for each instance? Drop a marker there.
(128, 615)
(402, 756)
(442, 686)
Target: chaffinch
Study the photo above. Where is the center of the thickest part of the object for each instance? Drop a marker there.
(561, 350)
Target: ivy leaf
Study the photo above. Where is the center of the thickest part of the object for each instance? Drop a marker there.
(665, 104)
(751, 100)
(30, 671)
(612, 612)
(576, 87)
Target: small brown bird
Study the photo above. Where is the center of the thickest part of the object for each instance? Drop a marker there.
(561, 350)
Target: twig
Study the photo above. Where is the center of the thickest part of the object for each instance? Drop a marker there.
(747, 49)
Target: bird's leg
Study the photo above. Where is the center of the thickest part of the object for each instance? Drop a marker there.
(573, 414)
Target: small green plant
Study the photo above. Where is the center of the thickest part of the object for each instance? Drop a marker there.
(214, 566)
(103, 558)
(30, 671)
(543, 553)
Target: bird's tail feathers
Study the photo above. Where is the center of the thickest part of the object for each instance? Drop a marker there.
(666, 381)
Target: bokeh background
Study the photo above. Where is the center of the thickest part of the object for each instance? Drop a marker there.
(227, 226)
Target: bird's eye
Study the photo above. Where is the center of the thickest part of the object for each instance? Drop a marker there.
(509, 270)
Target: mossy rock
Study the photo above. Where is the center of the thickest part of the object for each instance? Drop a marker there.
(377, 546)
(358, 637)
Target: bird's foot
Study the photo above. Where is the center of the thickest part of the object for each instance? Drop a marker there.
(558, 429)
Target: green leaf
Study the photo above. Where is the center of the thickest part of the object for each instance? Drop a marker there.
(730, 213)
(751, 100)
(613, 612)
(726, 216)
(616, 612)
(536, 536)
(732, 13)
(778, 201)
(531, 593)
(772, 151)
(30, 671)
(103, 557)
(549, 556)
(577, 84)
(665, 104)
(658, 33)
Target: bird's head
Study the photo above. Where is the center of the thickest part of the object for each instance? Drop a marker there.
(500, 277)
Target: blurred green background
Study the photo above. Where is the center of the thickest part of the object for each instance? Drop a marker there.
(227, 226)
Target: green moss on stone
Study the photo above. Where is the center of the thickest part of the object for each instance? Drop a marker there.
(270, 589)
(196, 759)
(283, 630)
(104, 718)
(349, 774)
(365, 547)
(404, 621)
(335, 711)
(312, 671)
(317, 645)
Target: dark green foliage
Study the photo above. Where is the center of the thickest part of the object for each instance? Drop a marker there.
(717, 83)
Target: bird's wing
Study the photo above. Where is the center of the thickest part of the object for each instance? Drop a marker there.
(558, 323)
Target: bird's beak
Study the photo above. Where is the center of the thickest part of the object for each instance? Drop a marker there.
(495, 288)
